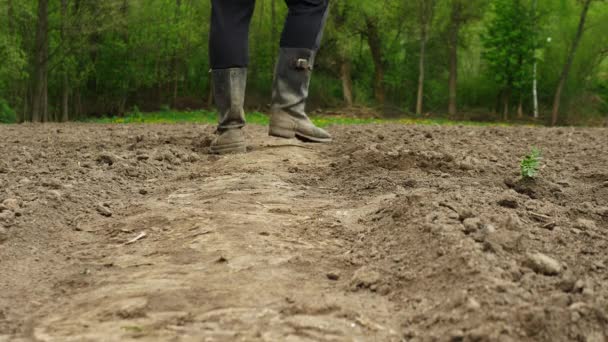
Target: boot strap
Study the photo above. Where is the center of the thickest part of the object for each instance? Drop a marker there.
(302, 64)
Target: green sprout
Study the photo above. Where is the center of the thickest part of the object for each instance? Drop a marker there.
(530, 164)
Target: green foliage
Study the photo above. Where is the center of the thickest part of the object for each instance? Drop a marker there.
(117, 54)
(7, 115)
(530, 164)
(509, 44)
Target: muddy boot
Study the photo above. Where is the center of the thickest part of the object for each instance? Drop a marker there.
(229, 93)
(290, 92)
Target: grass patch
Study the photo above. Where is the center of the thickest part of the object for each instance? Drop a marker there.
(257, 118)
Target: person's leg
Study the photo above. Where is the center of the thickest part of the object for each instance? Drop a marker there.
(304, 24)
(229, 33)
(299, 43)
(228, 55)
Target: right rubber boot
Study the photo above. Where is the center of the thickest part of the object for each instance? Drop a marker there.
(229, 93)
(288, 118)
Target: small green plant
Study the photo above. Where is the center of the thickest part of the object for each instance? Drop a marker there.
(530, 164)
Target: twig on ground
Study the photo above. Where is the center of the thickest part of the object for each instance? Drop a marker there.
(137, 238)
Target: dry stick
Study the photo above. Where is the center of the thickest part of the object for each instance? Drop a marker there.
(137, 238)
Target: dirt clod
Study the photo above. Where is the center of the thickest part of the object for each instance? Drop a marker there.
(365, 277)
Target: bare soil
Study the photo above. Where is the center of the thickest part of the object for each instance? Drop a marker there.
(392, 233)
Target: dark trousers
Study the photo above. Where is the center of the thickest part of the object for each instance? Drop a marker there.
(229, 34)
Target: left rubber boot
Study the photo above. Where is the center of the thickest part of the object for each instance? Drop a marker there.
(229, 94)
(289, 94)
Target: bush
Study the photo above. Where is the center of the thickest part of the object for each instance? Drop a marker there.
(7, 114)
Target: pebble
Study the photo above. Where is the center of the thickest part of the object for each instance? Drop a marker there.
(543, 264)
(585, 224)
(103, 210)
(473, 304)
(11, 204)
(333, 275)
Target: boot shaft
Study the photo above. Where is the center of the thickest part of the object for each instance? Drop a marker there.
(292, 80)
(229, 86)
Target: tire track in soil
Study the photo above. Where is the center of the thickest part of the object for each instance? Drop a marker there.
(225, 259)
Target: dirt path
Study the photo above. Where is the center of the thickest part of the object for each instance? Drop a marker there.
(392, 233)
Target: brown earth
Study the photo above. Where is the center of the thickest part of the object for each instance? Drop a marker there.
(392, 233)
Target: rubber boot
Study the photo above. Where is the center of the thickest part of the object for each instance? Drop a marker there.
(290, 92)
(229, 93)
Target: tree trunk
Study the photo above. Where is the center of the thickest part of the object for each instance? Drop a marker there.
(420, 98)
(453, 57)
(347, 81)
(10, 17)
(564, 76)
(65, 86)
(40, 86)
(520, 107)
(505, 101)
(175, 66)
(273, 29)
(375, 46)
(535, 68)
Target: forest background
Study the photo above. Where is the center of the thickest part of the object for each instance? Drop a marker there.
(484, 60)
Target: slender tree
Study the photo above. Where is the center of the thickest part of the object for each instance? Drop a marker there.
(39, 105)
(426, 11)
(569, 60)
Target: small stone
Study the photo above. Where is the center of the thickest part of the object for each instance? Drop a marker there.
(12, 204)
(333, 275)
(103, 210)
(471, 225)
(143, 191)
(585, 224)
(473, 304)
(143, 157)
(540, 263)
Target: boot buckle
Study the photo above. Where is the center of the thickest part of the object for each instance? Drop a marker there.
(303, 64)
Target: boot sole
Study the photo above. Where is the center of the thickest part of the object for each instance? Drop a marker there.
(290, 134)
(237, 148)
